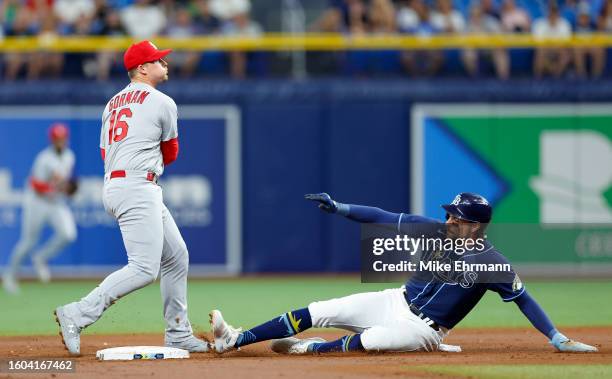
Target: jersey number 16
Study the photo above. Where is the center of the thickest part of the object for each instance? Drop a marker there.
(118, 127)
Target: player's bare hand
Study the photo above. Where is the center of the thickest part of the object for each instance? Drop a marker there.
(60, 186)
(325, 201)
(564, 344)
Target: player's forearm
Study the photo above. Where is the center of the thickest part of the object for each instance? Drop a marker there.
(536, 315)
(365, 214)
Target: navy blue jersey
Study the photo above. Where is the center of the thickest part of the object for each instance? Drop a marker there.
(447, 297)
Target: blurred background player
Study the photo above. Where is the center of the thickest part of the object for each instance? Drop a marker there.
(45, 203)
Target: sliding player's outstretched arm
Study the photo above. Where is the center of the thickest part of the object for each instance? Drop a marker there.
(362, 213)
(538, 318)
(510, 288)
(357, 213)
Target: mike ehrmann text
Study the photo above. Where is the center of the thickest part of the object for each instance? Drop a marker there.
(436, 266)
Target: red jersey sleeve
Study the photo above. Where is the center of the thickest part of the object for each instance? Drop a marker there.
(169, 150)
(40, 186)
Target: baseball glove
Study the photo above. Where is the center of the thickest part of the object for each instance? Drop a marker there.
(71, 187)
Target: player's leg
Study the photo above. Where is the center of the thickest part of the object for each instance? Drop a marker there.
(173, 283)
(139, 210)
(62, 221)
(358, 313)
(32, 220)
(383, 319)
(401, 337)
(347, 343)
(355, 312)
(286, 325)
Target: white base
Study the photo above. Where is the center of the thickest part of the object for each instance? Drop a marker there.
(449, 348)
(129, 353)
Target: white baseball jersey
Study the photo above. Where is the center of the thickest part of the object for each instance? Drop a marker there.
(48, 209)
(134, 122)
(49, 164)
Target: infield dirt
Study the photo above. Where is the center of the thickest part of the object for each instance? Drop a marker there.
(480, 346)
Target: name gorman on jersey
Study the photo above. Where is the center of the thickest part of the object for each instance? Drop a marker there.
(436, 266)
(127, 98)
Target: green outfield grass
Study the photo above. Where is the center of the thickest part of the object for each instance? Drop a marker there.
(521, 371)
(248, 301)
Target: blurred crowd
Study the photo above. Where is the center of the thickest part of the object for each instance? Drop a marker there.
(144, 19)
(543, 19)
(140, 19)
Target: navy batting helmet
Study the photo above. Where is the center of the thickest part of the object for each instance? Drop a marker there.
(470, 207)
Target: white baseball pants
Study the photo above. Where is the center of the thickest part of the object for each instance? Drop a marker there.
(383, 318)
(153, 244)
(37, 212)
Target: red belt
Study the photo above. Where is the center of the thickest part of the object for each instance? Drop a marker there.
(121, 174)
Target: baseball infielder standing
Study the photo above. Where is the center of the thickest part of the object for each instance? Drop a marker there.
(138, 138)
(44, 203)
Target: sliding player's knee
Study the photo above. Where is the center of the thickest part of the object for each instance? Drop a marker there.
(376, 338)
(380, 338)
(324, 313)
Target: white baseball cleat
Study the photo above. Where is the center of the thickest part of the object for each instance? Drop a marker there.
(224, 334)
(9, 283)
(191, 344)
(292, 345)
(69, 331)
(41, 268)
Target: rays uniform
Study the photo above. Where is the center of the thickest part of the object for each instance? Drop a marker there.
(421, 313)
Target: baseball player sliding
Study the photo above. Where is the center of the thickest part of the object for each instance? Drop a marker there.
(44, 203)
(415, 317)
(138, 139)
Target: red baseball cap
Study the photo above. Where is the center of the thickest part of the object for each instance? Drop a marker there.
(58, 130)
(142, 52)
